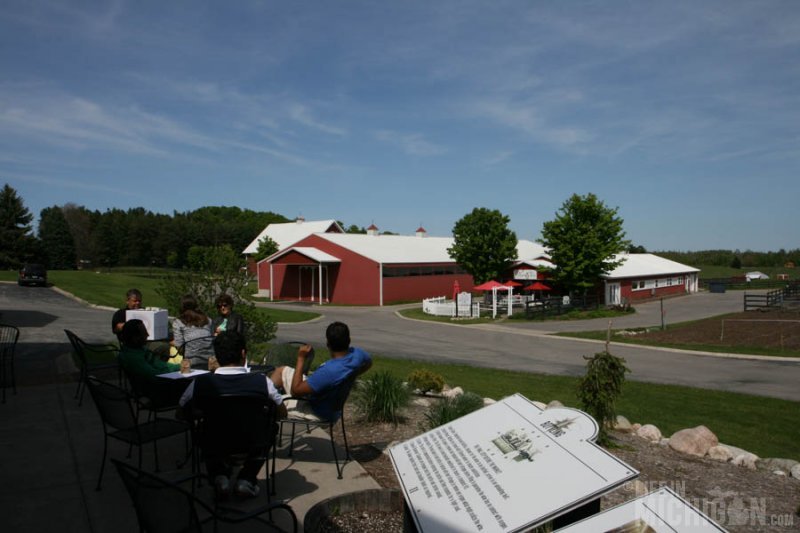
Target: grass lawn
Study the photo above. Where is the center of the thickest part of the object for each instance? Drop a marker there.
(109, 288)
(765, 426)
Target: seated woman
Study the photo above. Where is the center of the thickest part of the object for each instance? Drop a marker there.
(228, 320)
(191, 333)
(141, 366)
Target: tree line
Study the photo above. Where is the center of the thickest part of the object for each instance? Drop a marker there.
(734, 258)
(71, 236)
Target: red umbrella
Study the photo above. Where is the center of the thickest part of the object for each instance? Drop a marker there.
(456, 289)
(489, 285)
(537, 286)
(512, 283)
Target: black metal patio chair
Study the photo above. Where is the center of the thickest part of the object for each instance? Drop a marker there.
(164, 506)
(237, 428)
(116, 408)
(85, 353)
(338, 398)
(9, 335)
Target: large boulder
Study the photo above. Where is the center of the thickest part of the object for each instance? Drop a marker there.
(771, 464)
(720, 453)
(649, 432)
(452, 393)
(693, 441)
(747, 460)
(735, 452)
(622, 424)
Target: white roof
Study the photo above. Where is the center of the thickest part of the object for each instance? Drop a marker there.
(401, 248)
(288, 233)
(312, 253)
(640, 265)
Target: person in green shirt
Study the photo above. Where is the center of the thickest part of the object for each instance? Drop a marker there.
(141, 366)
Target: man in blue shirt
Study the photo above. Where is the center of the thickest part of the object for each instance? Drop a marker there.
(321, 387)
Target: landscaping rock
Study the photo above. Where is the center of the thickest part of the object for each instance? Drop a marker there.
(489, 401)
(720, 453)
(735, 452)
(540, 405)
(779, 473)
(622, 424)
(555, 403)
(422, 402)
(693, 441)
(770, 464)
(796, 471)
(663, 442)
(746, 460)
(635, 427)
(649, 432)
(452, 393)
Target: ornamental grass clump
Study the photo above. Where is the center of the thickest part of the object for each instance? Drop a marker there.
(600, 388)
(425, 381)
(451, 408)
(381, 397)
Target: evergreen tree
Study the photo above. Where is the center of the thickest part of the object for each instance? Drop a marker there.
(582, 242)
(483, 244)
(16, 241)
(57, 243)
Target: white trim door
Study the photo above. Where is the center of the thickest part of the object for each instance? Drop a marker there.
(613, 293)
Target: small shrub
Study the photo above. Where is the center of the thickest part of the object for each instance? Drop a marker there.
(380, 397)
(600, 388)
(425, 381)
(449, 409)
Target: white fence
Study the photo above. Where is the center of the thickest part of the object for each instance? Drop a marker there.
(441, 306)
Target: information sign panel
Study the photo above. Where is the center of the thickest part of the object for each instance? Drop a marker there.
(464, 303)
(507, 467)
(662, 510)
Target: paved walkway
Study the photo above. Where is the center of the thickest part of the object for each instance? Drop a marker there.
(51, 459)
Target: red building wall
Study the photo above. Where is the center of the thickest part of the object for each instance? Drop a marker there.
(631, 295)
(407, 288)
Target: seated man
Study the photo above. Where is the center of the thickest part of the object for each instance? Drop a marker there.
(320, 388)
(133, 300)
(142, 367)
(219, 442)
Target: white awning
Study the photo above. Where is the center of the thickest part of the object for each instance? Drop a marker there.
(315, 254)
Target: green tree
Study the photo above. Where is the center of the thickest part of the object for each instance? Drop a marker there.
(582, 241)
(483, 244)
(57, 243)
(16, 240)
(80, 222)
(600, 388)
(266, 247)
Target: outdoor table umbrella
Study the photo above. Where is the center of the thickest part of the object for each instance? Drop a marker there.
(493, 286)
(538, 286)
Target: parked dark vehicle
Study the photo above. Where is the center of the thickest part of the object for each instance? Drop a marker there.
(32, 275)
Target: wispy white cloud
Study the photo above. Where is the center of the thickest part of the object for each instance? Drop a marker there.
(301, 114)
(411, 143)
(73, 184)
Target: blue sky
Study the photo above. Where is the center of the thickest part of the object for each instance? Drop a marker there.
(684, 114)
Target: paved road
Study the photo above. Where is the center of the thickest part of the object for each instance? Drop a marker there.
(43, 314)
(524, 346)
